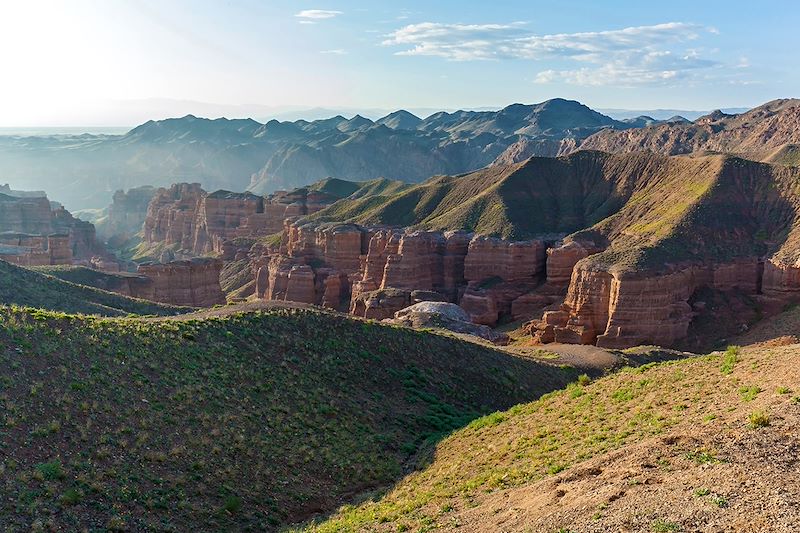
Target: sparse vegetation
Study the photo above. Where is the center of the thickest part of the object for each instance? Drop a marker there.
(662, 526)
(25, 287)
(758, 419)
(729, 359)
(239, 422)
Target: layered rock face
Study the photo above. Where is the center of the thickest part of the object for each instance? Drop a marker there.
(172, 214)
(35, 250)
(623, 309)
(127, 213)
(39, 232)
(374, 272)
(759, 133)
(194, 283)
(195, 222)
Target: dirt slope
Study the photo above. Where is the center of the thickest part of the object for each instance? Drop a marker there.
(701, 444)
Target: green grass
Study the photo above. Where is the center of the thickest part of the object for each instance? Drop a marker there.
(23, 287)
(515, 448)
(729, 360)
(758, 419)
(233, 423)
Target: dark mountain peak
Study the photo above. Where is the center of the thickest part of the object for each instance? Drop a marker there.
(355, 123)
(400, 120)
(677, 119)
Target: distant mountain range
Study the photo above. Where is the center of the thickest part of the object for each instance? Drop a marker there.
(84, 170)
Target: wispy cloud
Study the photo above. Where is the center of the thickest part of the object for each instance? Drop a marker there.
(334, 52)
(640, 55)
(311, 16)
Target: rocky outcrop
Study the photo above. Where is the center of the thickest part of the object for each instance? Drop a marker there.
(497, 273)
(446, 316)
(35, 250)
(43, 232)
(193, 283)
(172, 215)
(219, 217)
(385, 303)
(757, 133)
(186, 218)
(375, 272)
(623, 309)
(127, 213)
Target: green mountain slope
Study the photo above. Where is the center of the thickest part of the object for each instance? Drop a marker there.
(226, 422)
(20, 286)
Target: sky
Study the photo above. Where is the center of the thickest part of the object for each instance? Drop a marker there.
(121, 62)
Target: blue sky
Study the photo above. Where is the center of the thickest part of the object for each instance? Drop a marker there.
(115, 61)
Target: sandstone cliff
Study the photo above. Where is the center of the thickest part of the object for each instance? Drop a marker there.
(374, 272)
(126, 214)
(36, 231)
(186, 219)
(193, 283)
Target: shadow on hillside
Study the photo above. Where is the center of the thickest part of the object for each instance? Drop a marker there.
(542, 378)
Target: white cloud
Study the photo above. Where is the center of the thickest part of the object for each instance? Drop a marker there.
(641, 55)
(310, 16)
(334, 52)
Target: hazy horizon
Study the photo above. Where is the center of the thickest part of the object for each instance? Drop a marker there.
(201, 110)
(122, 62)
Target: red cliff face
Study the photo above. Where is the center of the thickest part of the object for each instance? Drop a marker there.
(498, 272)
(220, 217)
(201, 223)
(376, 272)
(172, 214)
(194, 283)
(44, 235)
(619, 310)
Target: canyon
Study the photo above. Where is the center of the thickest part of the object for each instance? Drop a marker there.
(591, 248)
(35, 231)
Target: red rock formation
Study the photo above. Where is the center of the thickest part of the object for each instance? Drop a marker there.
(385, 303)
(781, 279)
(127, 213)
(199, 223)
(194, 283)
(172, 214)
(498, 272)
(623, 309)
(46, 232)
(220, 215)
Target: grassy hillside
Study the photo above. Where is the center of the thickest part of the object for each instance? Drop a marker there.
(664, 447)
(538, 197)
(647, 209)
(216, 422)
(20, 286)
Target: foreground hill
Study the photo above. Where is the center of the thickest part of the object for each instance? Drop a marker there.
(227, 421)
(770, 132)
(23, 287)
(702, 444)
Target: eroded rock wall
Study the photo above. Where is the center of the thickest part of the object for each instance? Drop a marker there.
(374, 272)
(623, 309)
(193, 283)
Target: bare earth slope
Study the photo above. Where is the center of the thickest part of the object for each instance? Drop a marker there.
(755, 134)
(703, 444)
